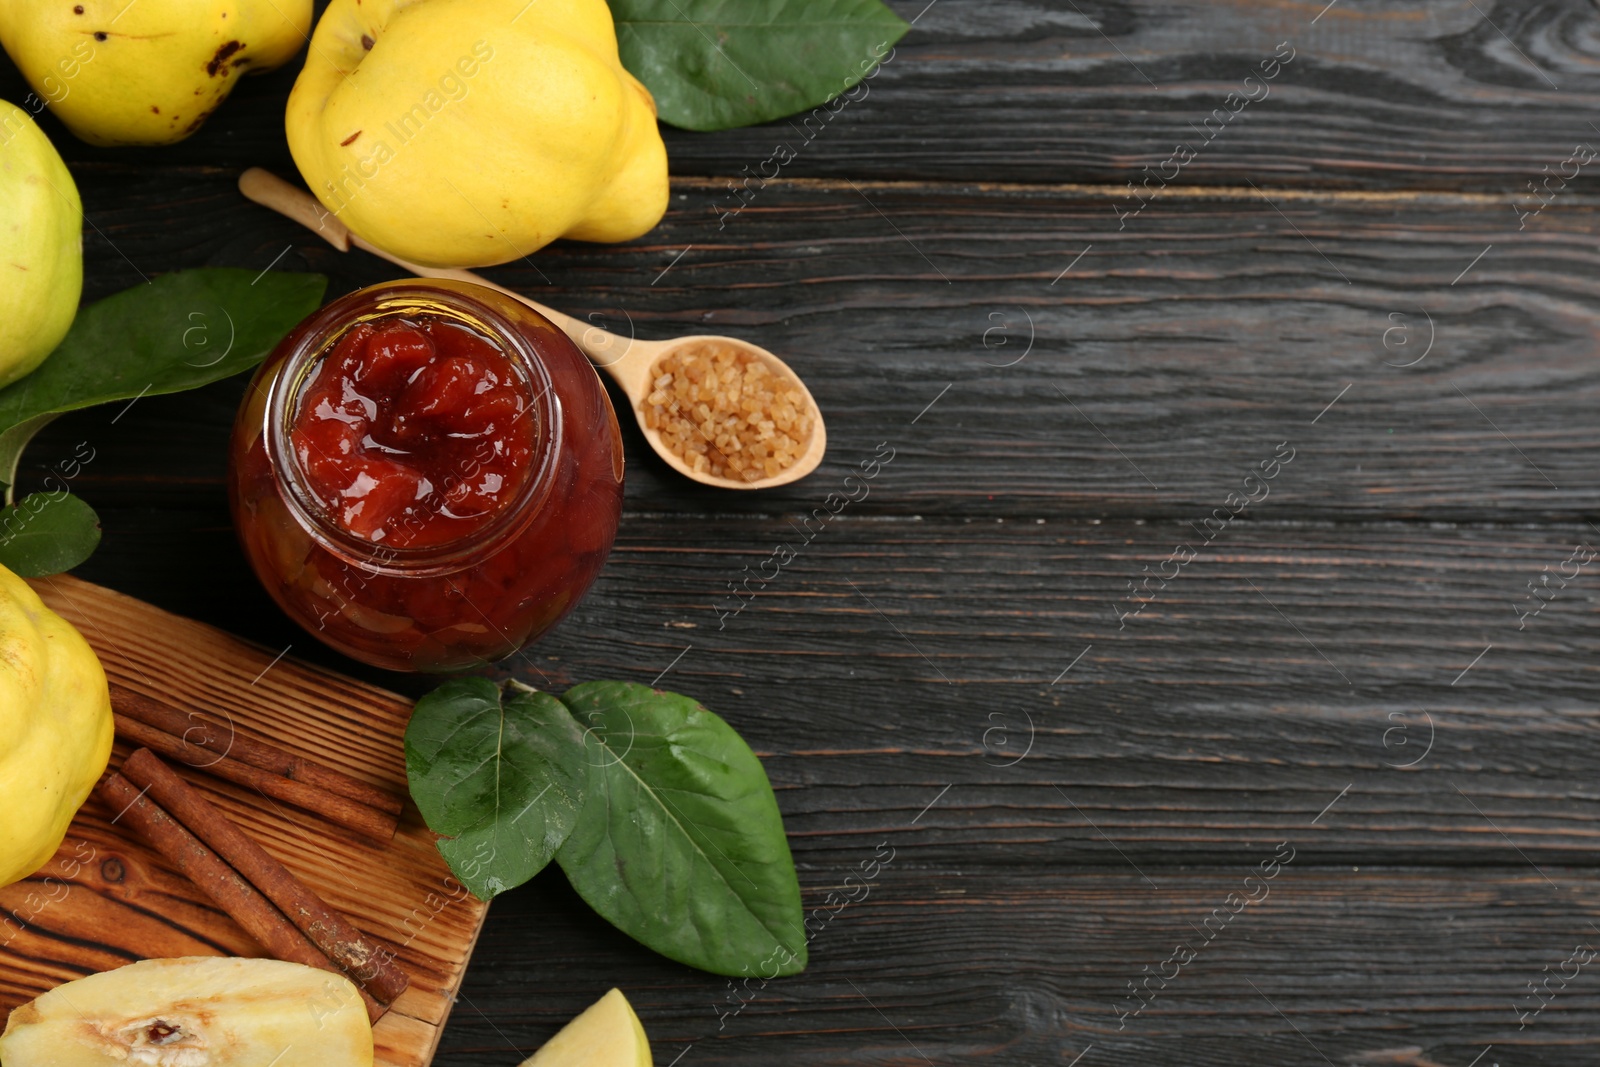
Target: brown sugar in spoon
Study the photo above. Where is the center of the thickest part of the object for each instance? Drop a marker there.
(629, 361)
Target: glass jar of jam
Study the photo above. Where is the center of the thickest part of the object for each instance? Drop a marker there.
(426, 475)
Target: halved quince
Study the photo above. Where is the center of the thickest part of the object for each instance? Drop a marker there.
(194, 1011)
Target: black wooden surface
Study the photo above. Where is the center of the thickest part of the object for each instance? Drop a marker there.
(1345, 667)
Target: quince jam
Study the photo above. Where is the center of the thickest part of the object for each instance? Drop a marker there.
(426, 475)
(414, 433)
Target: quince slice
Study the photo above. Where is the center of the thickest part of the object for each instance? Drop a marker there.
(194, 1011)
(607, 1034)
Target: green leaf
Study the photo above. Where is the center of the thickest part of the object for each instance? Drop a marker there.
(181, 331)
(46, 534)
(716, 64)
(501, 774)
(680, 843)
(12, 442)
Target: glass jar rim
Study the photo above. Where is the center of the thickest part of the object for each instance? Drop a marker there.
(451, 301)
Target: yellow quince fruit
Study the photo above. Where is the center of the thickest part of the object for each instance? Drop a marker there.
(55, 728)
(607, 1034)
(144, 72)
(464, 133)
(41, 246)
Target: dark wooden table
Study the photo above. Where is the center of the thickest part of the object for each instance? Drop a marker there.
(1294, 757)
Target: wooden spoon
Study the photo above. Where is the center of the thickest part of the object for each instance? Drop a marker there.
(628, 360)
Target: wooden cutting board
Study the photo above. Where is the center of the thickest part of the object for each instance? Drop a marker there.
(106, 899)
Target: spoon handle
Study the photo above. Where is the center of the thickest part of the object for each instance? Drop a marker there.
(604, 348)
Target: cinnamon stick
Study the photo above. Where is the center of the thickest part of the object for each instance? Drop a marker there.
(226, 743)
(254, 913)
(218, 741)
(378, 825)
(362, 960)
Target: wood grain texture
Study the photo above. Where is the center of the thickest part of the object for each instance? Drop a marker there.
(1143, 382)
(1385, 95)
(107, 898)
(1207, 725)
(893, 658)
(1208, 334)
(1362, 965)
(891, 676)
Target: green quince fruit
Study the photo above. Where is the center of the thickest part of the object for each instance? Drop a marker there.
(41, 245)
(142, 72)
(464, 133)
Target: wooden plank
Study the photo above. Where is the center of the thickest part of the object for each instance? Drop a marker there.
(1394, 94)
(1380, 95)
(1166, 362)
(974, 963)
(1285, 666)
(893, 658)
(107, 899)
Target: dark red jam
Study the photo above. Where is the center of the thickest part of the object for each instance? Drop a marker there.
(414, 433)
(426, 475)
